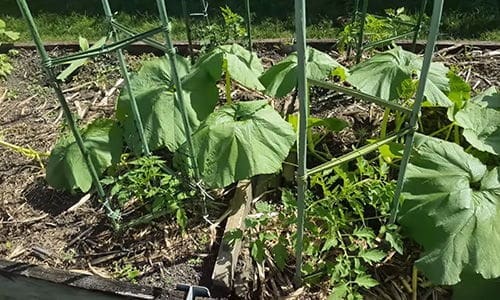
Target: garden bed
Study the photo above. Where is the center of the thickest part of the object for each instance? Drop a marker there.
(39, 225)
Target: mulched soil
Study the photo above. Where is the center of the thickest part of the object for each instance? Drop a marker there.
(42, 226)
(36, 222)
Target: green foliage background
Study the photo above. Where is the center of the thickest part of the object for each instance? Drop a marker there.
(262, 8)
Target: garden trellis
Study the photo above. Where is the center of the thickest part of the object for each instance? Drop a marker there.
(187, 20)
(408, 132)
(117, 30)
(360, 12)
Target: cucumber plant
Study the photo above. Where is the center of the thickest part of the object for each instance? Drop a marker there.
(234, 140)
(233, 127)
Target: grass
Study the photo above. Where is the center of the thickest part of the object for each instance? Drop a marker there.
(478, 24)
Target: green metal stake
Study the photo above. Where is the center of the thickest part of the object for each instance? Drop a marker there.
(359, 47)
(204, 4)
(418, 26)
(300, 35)
(126, 78)
(249, 25)
(354, 19)
(178, 85)
(60, 96)
(429, 52)
(187, 22)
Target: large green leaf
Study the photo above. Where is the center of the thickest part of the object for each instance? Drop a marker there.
(281, 78)
(67, 169)
(451, 207)
(154, 91)
(243, 66)
(475, 287)
(481, 127)
(239, 141)
(489, 98)
(383, 75)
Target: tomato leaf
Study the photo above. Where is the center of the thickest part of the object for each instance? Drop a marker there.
(372, 256)
(366, 281)
(280, 254)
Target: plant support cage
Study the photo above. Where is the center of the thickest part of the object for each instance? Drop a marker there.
(407, 132)
(122, 36)
(360, 13)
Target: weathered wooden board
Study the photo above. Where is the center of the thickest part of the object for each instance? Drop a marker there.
(26, 281)
(227, 258)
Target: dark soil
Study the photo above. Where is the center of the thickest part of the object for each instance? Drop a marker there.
(35, 224)
(37, 227)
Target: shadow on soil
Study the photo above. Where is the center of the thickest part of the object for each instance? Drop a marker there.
(41, 197)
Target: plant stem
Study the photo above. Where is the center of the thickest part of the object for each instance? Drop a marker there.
(227, 76)
(385, 120)
(420, 124)
(447, 127)
(456, 131)
(450, 129)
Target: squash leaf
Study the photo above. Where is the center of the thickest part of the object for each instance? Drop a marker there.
(489, 98)
(451, 207)
(154, 90)
(239, 141)
(243, 66)
(384, 73)
(481, 127)
(281, 78)
(473, 286)
(66, 168)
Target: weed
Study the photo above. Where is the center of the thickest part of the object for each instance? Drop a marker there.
(126, 271)
(69, 256)
(194, 262)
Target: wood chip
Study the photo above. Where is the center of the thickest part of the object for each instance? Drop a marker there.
(99, 272)
(29, 220)
(295, 295)
(16, 252)
(110, 92)
(82, 200)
